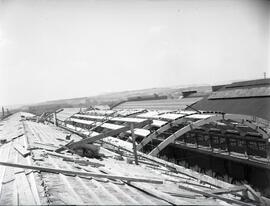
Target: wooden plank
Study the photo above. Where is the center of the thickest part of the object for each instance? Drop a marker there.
(36, 145)
(161, 195)
(256, 196)
(62, 171)
(80, 161)
(228, 190)
(21, 150)
(207, 194)
(107, 134)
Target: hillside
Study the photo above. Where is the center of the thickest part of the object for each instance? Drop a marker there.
(110, 98)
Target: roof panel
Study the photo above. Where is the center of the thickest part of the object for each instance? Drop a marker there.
(163, 104)
(258, 107)
(68, 112)
(171, 116)
(158, 123)
(200, 116)
(100, 112)
(257, 82)
(150, 114)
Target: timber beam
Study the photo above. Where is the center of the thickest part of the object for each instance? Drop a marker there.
(79, 173)
(104, 135)
(247, 120)
(164, 128)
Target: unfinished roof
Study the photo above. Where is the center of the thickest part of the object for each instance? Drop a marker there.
(68, 112)
(32, 173)
(173, 125)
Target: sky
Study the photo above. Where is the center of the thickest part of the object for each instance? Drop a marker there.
(54, 49)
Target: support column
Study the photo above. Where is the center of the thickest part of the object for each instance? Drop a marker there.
(54, 119)
(228, 143)
(268, 150)
(211, 142)
(134, 143)
(196, 140)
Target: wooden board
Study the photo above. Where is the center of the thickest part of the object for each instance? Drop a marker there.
(71, 172)
(21, 150)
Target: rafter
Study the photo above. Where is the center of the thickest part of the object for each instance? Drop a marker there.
(244, 119)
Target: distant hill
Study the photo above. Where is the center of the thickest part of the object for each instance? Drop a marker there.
(112, 98)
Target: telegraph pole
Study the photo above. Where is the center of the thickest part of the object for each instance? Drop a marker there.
(3, 112)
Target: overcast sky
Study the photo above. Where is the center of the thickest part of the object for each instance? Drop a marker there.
(63, 49)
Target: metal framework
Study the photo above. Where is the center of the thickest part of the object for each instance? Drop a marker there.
(244, 119)
(162, 129)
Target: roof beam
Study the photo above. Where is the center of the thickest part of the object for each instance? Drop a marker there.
(167, 126)
(247, 120)
(107, 134)
(182, 131)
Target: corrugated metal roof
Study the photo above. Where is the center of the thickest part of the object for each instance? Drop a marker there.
(240, 93)
(27, 187)
(257, 82)
(163, 104)
(68, 112)
(259, 107)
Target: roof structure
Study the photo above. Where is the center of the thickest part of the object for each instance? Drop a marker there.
(179, 123)
(259, 106)
(250, 83)
(248, 97)
(33, 173)
(241, 93)
(68, 112)
(161, 104)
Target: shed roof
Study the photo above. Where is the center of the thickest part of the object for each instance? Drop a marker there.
(259, 107)
(241, 93)
(255, 83)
